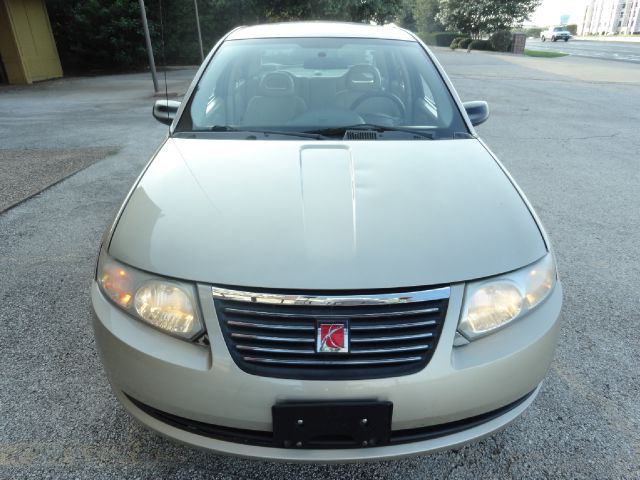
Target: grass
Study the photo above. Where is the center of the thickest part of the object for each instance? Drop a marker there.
(543, 53)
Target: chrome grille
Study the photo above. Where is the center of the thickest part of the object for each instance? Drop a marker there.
(274, 335)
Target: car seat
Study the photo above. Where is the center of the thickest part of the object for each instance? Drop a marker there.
(276, 102)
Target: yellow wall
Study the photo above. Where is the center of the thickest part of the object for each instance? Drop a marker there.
(27, 45)
(9, 49)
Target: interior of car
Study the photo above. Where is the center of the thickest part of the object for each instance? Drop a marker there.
(300, 83)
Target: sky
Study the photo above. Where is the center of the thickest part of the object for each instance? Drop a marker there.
(549, 12)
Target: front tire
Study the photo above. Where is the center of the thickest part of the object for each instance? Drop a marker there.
(553, 39)
(544, 39)
(566, 39)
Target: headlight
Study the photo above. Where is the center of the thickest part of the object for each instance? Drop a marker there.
(167, 305)
(492, 304)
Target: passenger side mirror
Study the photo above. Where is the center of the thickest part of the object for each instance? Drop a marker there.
(477, 111)
(165, 110)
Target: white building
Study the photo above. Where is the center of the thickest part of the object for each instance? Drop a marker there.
(609, 17)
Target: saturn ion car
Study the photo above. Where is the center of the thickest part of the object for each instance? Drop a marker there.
(323, 262)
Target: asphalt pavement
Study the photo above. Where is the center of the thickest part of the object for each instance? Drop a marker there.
(603, 50)
(28, 171)
(571, 144)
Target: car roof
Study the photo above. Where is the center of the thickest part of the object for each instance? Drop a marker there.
(319, 30)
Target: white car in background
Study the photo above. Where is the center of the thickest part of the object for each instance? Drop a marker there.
(555, 33)
(323, 262)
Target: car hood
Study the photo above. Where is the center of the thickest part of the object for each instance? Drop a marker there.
(326, 215)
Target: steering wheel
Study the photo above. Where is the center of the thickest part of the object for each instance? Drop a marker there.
(368, 96)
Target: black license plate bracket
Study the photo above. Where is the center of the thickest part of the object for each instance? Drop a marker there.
(332, 424)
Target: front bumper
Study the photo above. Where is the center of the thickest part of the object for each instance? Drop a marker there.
(203, 383)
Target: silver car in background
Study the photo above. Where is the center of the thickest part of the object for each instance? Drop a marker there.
(323, 262)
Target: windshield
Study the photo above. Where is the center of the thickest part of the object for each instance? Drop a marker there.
(558, 29)
(319, 86)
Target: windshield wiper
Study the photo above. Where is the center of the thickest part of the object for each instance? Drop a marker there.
(368, 127)
(290, 133)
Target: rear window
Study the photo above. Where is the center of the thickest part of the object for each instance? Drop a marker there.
(306, 84)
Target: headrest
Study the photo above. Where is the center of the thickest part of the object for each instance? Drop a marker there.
(277, 84)
(363, 78)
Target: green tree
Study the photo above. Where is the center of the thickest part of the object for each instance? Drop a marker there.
(379, 11)
(91, 34)
(407, 15)
(107, 34)
(427, 16)
(485, 16)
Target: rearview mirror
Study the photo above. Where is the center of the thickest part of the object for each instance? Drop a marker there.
(165, 110)
(477, 111)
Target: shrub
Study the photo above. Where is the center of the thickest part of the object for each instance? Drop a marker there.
(480, 45)
(533, 31)
(424, 36)
(444, 39)
(501, 41)
(456, 42)
(439, 39)
(464, 43)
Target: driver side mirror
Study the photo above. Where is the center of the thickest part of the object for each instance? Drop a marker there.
(477, 111)
(165, 110)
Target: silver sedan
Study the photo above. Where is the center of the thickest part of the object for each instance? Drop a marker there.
(323, 262)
